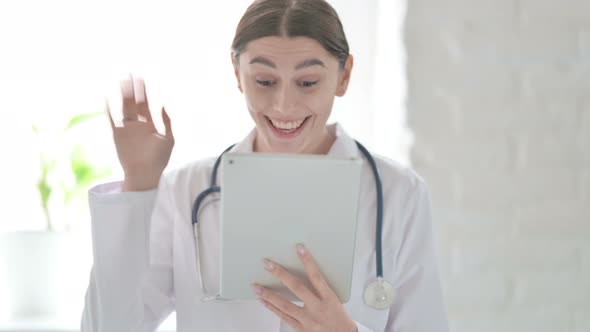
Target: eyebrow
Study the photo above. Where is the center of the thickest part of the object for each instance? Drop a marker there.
(305, 64)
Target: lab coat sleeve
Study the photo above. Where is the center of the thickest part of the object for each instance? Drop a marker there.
(130, 286)
(419, 305)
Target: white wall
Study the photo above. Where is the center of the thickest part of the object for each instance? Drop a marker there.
(499, 103)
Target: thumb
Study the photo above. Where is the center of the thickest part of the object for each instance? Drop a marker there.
(167, 123)
(108, 112)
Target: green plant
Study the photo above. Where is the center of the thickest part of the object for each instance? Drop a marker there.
(83, 172)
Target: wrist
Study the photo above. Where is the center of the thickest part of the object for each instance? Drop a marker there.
(132, 183)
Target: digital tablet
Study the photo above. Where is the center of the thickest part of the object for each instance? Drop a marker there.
(271, 202)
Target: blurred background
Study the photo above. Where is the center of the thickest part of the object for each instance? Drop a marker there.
(489, 100)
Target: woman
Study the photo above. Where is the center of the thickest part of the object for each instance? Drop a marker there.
(291, 59)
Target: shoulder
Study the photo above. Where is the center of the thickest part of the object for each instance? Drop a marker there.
(398, 177)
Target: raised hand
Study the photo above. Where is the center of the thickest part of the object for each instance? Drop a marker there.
(143, 152)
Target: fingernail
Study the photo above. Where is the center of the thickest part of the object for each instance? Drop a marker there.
(257, 289)
(300, 249)
(268, 265)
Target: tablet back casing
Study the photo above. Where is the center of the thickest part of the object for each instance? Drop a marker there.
(272, 202)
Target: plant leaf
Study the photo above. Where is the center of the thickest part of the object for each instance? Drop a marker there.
(76, 120)
(44, 191)
(84, 172)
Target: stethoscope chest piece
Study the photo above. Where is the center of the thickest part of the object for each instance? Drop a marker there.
(379, 294)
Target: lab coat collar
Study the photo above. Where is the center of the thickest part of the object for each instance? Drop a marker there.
(344, 146)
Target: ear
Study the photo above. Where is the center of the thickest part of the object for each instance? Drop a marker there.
(345, 77)
(236, 71)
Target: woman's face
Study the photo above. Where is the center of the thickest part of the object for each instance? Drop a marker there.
(290, 85)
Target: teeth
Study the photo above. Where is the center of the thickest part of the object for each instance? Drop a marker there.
(290, 125)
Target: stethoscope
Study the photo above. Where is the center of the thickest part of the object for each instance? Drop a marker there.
(378, 294)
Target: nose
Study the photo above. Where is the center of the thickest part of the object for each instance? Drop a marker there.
(284, 100)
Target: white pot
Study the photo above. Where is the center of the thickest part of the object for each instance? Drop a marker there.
(44, 274)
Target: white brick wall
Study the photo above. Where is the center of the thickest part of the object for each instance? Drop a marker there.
(499, 102)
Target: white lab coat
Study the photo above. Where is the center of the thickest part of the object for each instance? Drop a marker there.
(145, 261)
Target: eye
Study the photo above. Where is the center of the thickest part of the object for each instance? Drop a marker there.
(308, 84)
(265, 83)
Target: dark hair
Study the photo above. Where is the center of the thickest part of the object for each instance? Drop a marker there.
(315, 19)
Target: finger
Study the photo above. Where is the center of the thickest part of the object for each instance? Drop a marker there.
(280, 303)
(141, 101)
(292, 322)
(314, 274)
(293, 283)
(129, 106)
(167, 123)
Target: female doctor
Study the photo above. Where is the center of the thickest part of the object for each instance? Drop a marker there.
(291, 59)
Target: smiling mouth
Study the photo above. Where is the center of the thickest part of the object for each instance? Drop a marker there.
(287, 126)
